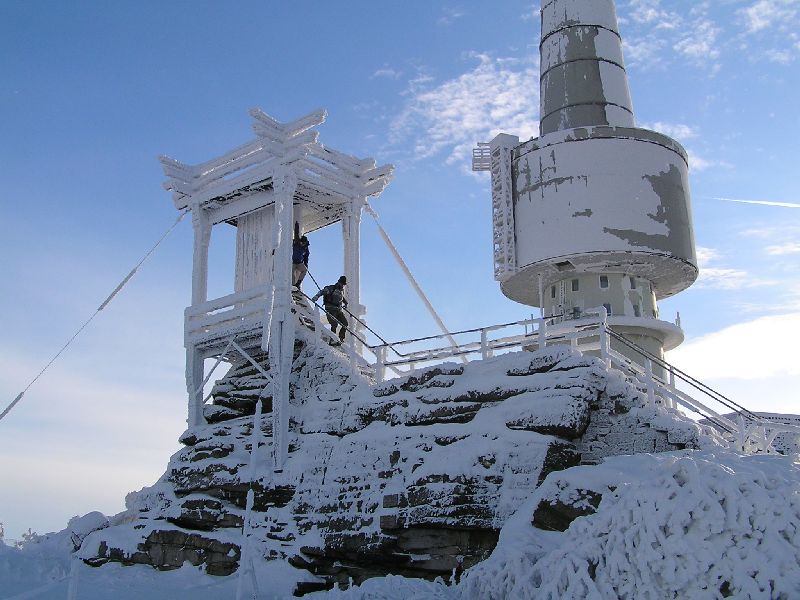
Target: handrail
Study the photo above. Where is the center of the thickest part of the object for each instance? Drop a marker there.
(741, 430)
(226, 301)
(584, 329)
(685, 400)
(698, 385)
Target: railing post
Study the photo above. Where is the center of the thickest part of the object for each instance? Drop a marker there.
(484, 345)
(542, 331)
(604, 336)
(743, 433)
(352, 355)
(317, 323)
(651, 392)
(380, 365)
(674, 403)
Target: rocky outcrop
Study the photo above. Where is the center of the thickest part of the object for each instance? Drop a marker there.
(169, 549)
(414, 476)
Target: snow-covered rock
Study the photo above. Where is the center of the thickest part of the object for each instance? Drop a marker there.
(415, 476)
(709, 524)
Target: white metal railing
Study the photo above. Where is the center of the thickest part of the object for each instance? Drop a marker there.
(483, 342)
(746, 432)
(592, 334)
(226, 316)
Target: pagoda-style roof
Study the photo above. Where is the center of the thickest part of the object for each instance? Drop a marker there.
(240, 180)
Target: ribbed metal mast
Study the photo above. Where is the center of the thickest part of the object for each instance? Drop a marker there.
(583, 80)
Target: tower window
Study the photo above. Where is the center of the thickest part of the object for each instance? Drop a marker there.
(633, 283)
(575, 285)
(608, 308)
(637, 311)
(603, 281)
(553, 291)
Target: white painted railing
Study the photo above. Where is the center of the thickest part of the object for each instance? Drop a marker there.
(485, 342)
(590, 334)
(226, 316)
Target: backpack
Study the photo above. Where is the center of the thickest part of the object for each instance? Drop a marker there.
(332, 296)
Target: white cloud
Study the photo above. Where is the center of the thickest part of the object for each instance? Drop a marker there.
(773, 23)
(650, 11)
(386, 72)
(643, 50)
(699, 163)
(728, 279)
(763, 348)
(780, 249)
(783, 57)
(706, 255)
(450, 14)
(766, 14)
(700, 44)
(498, 95)
(679, 131)
(658, 35)
(772, 232)
(723, 278)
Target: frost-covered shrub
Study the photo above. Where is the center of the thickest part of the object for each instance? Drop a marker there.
(683, 525)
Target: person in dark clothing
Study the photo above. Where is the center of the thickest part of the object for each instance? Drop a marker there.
(300, 254)
(334, 301)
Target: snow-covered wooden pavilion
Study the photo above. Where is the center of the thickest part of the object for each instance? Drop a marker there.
(282, 177)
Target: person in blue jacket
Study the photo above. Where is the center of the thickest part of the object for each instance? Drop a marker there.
(300, 255)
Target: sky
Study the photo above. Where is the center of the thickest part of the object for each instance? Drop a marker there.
(92, 93)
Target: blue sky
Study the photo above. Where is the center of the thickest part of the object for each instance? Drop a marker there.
(93, 92)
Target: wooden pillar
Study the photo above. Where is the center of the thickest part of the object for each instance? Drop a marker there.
(351, 237)
(194, 360)
(280, 344)
(202, 237)
(194, 381)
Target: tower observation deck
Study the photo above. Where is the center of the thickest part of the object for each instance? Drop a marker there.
(595, 211)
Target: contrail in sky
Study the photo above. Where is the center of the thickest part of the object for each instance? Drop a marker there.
(764, 202)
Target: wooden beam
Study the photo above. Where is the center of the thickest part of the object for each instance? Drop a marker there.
(374, 188)
(382, 172)
(267, 123)
(241, 207)
(239, 152)
(312, 119)
(239, 164)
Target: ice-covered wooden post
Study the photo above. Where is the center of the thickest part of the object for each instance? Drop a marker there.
(282, 177)
(280, 345)
(351, 237)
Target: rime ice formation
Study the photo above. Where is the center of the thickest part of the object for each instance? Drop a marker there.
(414, 476)
(526, 475)
(701, 525)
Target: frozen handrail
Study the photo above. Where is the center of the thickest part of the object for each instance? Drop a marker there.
(736, 408)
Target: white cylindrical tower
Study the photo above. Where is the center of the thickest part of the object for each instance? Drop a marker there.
(594, 211)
